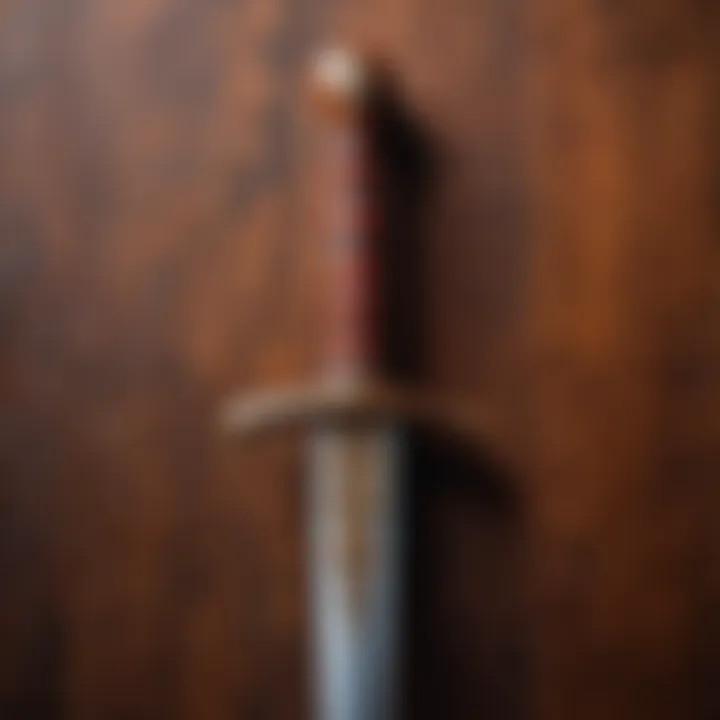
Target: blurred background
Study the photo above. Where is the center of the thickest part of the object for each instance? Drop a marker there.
(153, 260)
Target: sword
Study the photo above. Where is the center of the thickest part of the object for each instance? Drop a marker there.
(356, 448)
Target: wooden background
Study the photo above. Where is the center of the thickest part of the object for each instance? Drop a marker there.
(152, 260)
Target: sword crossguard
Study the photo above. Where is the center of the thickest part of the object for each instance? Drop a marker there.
(348, 404)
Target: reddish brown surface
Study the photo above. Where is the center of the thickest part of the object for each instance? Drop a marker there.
(152, 259)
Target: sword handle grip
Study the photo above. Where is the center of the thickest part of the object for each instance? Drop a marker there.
(349, 216)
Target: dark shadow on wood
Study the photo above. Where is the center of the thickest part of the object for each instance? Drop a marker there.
(466, 563)
(464, 608)
(405, 174)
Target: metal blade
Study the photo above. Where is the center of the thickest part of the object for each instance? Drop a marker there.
(354, 494)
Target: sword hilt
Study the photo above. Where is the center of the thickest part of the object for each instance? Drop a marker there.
(345, 90)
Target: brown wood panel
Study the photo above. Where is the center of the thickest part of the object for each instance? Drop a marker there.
(624, 308)
(153, 258)
(149, 264)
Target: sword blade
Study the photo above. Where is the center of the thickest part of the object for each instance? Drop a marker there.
(354, 494)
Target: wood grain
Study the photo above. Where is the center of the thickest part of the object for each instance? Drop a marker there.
(625, 302)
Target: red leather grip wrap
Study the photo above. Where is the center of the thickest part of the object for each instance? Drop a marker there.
(351, 272)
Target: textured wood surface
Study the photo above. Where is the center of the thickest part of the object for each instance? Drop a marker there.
(625, 291)
(152, 259)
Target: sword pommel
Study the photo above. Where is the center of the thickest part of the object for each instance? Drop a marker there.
(340, 77)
